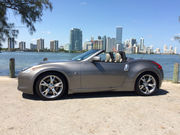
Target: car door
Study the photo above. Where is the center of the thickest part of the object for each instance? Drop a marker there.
(100, 76)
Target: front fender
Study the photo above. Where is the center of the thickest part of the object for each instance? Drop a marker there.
(70, 71)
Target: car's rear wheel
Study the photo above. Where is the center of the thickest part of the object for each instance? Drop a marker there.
(146, 85)
(51, 86)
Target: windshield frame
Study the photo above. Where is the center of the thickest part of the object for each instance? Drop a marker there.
(93, 53)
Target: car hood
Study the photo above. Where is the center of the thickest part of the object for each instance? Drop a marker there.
(54, 61)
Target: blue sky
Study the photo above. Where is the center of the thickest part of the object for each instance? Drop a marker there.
(155, 20)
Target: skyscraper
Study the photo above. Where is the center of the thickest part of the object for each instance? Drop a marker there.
(141, 44)
(119, 44)
(40, 44)
(104, 42)
(171, 51)
(165, 49)
(175, 50)
(133, 42)
(88, 45)
(11, 44)
(33, 47)
(22, 46)
(110, 44)
(98, 44)
(119, 35)
(75, 40)
(54, 46)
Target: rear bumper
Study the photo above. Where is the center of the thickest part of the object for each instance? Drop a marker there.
(161, 77)
(25, 83)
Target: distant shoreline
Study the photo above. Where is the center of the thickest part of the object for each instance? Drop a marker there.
(85, 51)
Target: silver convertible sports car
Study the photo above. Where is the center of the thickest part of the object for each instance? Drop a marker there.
(92, 71)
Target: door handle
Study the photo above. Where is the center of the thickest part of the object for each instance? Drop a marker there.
(126, 67)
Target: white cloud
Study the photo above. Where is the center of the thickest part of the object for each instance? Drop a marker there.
(83, 3)
(178, 34)
(176, 37)
(172, 39)
(34, 39)
(46, 32)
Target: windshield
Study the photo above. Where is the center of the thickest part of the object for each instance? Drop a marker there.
(84, 55)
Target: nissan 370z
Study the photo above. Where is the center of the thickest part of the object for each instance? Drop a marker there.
(92, 71)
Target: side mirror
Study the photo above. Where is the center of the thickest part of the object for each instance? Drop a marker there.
(96, 59)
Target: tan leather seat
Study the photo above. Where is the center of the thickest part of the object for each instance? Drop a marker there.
(118, 58)
(108, 58)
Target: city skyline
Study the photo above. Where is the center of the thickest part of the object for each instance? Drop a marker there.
(109, 44)
(47, 45)
(157, 28)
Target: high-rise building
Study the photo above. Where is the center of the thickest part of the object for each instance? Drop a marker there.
(128, 47)
(119, 35)
(135, 49)
(104, 42)
(157, 51)
(141, 44)
(133, 42)
(11, 44)
(98, 44)
(75, 40)
(22, 46)
(119, 45)
(33, 47)
(175, 50)
(88, 45)
(110, 44)
(165, 49)
(99, 37)
(54, 46)
(66, 47)
(40, 44)
(171, 51)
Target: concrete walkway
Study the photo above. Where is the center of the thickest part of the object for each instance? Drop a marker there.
(90, 114)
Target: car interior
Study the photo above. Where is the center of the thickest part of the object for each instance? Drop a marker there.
(117, 57)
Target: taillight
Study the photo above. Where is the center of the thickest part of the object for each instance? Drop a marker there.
(157, 64)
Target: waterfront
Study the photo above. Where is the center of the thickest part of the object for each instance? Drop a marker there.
(26, 59)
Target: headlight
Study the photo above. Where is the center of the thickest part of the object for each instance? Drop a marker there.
(30, 69)
(27, 70)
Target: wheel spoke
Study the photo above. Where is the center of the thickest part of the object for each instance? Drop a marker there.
(143, 79)
(58, 84)
(43, 83)
(149, 79)
(52, 79)
(147, 89)
(141, 86)
(46, 91)
(54, 91)
(151, 85)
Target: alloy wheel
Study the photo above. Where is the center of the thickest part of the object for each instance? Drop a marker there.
(147, 84)
(51, 86)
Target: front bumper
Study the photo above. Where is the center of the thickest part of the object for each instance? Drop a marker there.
(25, 83)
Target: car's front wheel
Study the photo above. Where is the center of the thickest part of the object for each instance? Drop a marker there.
(146, 85)
(50, 86)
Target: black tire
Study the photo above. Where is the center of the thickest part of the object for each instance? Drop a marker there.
(40, 78)
(142, 91)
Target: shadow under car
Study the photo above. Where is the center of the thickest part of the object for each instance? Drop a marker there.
(96, 95)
